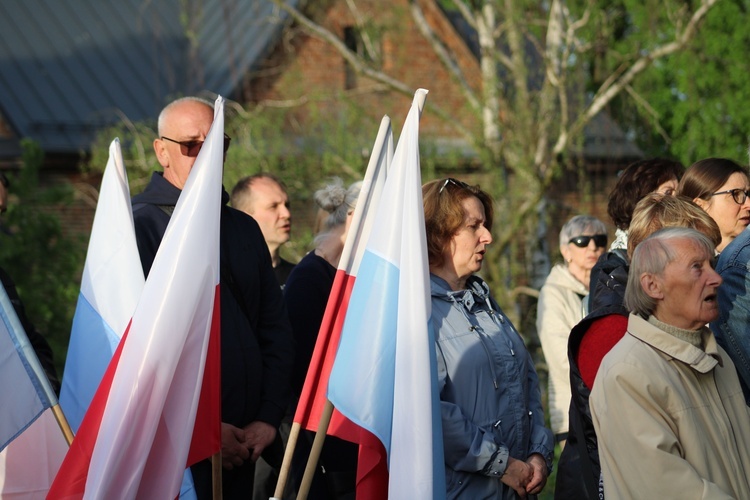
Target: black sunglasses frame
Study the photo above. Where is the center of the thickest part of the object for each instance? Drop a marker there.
(600, 240)
(455, 182)
(192, 148)
(736, 193)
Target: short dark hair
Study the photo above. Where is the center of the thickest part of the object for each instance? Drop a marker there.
(444, 214)
(241, 192)
(636, 181)
(4, 180)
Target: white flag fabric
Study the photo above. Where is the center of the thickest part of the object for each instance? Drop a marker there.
(30, 462)
(134, 440)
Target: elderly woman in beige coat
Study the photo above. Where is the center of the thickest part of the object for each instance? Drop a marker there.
(561, 306)
(667, 404)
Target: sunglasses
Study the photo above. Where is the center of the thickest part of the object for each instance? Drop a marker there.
(738, 195)
(455, 182)
(600, 240)
(192, 148)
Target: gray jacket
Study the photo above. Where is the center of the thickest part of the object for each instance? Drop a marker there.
(489, 392)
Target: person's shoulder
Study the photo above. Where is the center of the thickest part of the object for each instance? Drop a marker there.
(245, 229)
(285, 264)
(312, 265)
(736, 253)
(311, 273)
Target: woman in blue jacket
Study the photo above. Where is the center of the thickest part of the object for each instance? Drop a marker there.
(495, 442)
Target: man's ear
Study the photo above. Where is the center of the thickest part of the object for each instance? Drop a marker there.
(652, 286)
(161, 153)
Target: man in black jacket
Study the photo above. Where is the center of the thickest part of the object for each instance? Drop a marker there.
(256, 341)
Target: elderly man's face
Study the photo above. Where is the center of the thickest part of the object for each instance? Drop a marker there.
(688, 287)
(187, 121)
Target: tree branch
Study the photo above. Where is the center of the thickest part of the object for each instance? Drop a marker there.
(638, 67)
(442, 53)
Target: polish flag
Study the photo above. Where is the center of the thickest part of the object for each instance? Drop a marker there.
(135, 439)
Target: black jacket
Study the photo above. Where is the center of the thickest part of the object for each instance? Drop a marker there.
(579, 468)
(257, 351)
(608, 280)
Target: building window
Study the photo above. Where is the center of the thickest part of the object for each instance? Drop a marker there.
(353, 43)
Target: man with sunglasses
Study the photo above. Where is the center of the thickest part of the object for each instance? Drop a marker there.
(256, 341)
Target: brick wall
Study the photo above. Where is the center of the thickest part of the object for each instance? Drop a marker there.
(305, 67)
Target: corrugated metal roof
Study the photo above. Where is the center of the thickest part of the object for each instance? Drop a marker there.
(69, 67)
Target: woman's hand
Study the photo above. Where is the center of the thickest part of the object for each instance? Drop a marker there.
(539, 466)
(518, 475)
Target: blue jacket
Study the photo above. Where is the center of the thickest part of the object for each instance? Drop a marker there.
(732, 327)
(489, 392)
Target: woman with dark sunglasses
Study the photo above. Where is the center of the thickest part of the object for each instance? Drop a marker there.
(561, 305)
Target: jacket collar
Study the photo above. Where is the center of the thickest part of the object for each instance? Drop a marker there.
(476, 291)
(670, 346)
(160, 191)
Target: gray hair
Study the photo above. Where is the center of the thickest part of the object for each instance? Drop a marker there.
(581, 224)
(652, 256)
(338, 202)
(168, 108)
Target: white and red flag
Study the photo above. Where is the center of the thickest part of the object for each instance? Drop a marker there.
(135, 439)
(371, 469)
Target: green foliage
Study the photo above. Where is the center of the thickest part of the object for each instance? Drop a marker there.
(42, 260)
(701, 94)
(690, 105)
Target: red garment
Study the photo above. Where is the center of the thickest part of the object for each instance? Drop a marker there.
(601, 336)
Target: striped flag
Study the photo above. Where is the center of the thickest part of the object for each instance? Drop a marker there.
(111, 285)
(313, 397)
(32, 442)
(25, 391)
(136, 435)
(384, 377)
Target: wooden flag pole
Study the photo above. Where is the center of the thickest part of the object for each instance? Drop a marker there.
(317, 447)
(63, 423)
(216, 475)
(286, 463)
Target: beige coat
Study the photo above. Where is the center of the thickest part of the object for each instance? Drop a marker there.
(560, 308)
(670, 418)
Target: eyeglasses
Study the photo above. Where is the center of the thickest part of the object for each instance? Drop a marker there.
(738, 195)
(455, 182)
(192, 148)
(600, 240)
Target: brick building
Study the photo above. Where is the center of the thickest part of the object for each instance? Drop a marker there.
(66, 71)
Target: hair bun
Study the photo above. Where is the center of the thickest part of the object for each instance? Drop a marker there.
(332, 196)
